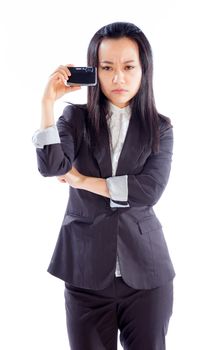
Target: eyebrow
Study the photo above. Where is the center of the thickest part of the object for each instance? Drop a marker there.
(109, 62)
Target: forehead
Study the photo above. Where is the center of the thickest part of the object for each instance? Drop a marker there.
(122, 49)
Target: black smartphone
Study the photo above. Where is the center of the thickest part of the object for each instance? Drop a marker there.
(82, 76)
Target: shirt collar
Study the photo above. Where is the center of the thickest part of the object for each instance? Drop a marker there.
(114, 110)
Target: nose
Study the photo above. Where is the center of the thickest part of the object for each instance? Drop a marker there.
(118, 77)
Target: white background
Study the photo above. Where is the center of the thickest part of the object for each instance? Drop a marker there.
(37, 38)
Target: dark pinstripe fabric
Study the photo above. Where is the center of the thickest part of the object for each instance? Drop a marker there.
(142, 316)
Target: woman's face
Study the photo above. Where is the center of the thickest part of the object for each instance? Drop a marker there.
(119, 70)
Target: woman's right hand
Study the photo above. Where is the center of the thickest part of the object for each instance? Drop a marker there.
(56, 87)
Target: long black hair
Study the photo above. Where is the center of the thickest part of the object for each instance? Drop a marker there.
(142, 104)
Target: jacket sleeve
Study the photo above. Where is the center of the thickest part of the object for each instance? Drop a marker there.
(147, 187)
(57, 158)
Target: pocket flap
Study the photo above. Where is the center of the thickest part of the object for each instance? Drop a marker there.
(150, 224)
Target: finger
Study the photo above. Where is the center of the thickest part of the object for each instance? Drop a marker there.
(62, 71)
(72, 88)
(72, 169)
(65, 68)
(69, 65)
(61, 179)
(58, 76)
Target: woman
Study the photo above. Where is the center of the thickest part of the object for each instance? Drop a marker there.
(115, 153)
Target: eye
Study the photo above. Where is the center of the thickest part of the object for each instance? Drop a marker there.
(129, 67)
(107, 68)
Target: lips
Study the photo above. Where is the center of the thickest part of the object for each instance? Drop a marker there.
(119, 91)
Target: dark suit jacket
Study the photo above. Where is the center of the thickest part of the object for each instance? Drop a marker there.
(93, 233)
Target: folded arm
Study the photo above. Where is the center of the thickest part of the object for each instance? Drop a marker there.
(145, 188)
(141, 189)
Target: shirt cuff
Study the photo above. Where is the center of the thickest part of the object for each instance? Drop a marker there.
(117, 205)
(47, 136)
(118, 187)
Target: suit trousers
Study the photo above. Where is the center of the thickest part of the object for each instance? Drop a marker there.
(142, 316)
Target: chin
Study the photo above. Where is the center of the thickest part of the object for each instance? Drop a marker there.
(124, 102)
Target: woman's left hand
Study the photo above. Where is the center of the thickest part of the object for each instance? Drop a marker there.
(73, 178)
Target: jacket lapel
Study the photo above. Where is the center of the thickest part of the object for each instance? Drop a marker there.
(131, 151)
(102, 154)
